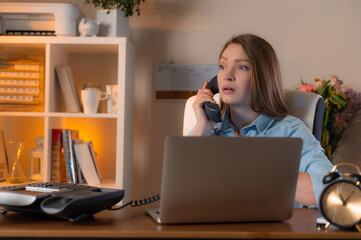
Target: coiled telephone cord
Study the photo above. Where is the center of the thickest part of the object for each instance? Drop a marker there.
(138, 203)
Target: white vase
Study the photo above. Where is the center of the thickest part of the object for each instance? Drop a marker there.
(113, 24)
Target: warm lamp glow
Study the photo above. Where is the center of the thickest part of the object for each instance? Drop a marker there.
(102, 133)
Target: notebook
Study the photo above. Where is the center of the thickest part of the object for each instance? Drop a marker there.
(227, 179)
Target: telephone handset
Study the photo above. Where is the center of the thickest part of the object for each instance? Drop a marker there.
(212, 109)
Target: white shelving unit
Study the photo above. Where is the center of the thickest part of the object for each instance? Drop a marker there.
(102, 60)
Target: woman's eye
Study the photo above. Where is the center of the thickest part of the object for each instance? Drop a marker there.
(243, 68)
(222, 67)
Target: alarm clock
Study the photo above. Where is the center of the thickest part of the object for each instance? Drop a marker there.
(340, 201)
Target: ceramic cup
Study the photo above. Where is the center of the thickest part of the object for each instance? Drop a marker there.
(91, 98)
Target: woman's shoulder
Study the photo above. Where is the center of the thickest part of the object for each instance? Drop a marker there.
(291, 120)
(293, 125)
(279, 125)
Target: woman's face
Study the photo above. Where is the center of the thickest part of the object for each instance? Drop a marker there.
(234, 77)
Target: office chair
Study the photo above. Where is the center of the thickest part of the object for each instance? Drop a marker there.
(309, 107)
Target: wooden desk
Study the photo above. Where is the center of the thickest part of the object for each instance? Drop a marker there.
(134, 223)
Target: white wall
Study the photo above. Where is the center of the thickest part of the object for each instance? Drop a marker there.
(313, 39)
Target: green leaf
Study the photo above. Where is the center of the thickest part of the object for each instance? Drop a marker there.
(322, 90)
(325, 120)
(128, 6)
(338, 99)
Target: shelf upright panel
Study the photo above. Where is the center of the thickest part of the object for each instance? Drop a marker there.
(47, 137)
(55, 102)
(124, 163)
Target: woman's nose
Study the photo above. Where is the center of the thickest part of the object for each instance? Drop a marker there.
(228, 77)
(228, 74)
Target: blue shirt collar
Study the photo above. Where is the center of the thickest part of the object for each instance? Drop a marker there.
(262, 123)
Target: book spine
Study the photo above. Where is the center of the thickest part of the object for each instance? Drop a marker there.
(81, 178)
(67, 154)
(58, 173)
(68, 88)
(85, 159)
(95, 159)
(79, 174)
(74, 135)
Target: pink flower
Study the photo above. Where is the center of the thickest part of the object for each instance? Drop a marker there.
(306, 88)
(318, 85)
(334, 81)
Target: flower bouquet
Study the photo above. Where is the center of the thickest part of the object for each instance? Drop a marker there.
(341, 106)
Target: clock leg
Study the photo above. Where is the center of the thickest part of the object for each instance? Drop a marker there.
(322, 223)
(358, 227)
(327, 225)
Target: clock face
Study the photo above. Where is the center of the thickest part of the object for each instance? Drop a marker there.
(341, 203)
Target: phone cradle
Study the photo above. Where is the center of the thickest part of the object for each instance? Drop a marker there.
(73, 202)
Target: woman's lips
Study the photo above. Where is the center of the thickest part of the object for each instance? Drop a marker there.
(227, 90)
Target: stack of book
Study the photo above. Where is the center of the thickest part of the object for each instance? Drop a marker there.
(72, 159)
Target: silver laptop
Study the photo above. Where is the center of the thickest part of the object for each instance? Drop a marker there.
(228, 179)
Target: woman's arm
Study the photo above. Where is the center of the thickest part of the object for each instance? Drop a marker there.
(305, 194)
(314, 166)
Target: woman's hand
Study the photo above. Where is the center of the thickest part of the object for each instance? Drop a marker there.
(203, 126)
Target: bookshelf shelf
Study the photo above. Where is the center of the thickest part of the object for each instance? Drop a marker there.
(101, 60)
(83, 115)
(57, 114)
(22, 114)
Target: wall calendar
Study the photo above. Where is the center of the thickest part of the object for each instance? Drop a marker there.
(180, 81)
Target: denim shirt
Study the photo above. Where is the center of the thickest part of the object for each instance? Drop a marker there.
(313, 160)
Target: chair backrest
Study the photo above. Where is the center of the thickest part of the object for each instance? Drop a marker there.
(309, 107)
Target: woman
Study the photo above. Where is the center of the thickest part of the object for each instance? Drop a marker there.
(253, 105)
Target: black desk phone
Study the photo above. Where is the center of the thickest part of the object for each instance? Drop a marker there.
(73, 202)
(212, 109)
